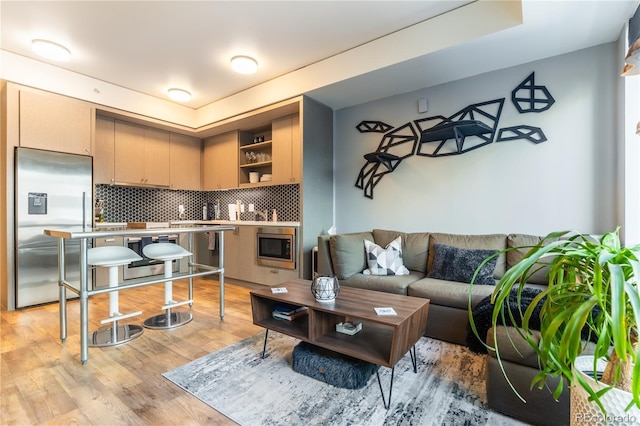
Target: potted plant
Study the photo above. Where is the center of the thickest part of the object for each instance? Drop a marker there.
(592, 291)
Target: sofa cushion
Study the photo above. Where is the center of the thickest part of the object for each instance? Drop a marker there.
(540, 276)
(458, 264)
(449, 293)
(488, 242)
(512, 346)
(516, 349)
(347, 253)
(415, 246)
(385, 261)
(390, 284)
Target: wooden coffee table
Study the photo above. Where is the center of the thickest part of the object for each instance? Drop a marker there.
(384, 340)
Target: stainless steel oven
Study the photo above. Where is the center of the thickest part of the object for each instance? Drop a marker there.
(147, 267)
(276, 246)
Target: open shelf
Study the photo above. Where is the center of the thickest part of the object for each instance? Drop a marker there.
(372, 343)
(255, 156)
(256, 165)
(260, 146)
(298, 328)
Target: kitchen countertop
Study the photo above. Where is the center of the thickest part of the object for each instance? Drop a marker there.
(105, 231)
(115, 225)
(234, 223)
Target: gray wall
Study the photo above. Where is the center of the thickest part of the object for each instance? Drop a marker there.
(568, 182)
(317, 192)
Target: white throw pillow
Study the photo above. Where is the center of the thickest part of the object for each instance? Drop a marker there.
(385, 261)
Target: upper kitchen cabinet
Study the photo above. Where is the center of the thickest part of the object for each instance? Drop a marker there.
(157, 154)
(287, 150)
(141, 155)
(220, 162)
(184, 162)
(55, 123)
(104, 151)
(274, 150)
(129, 153)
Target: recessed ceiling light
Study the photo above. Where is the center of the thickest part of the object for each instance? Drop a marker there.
(179, 95)
(50, 50)
(244, 64)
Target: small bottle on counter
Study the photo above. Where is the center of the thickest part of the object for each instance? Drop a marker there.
(101, 216)
(217, 210)
(204, 212)
(274, 216)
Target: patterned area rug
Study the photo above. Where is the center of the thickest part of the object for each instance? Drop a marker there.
(447, 390)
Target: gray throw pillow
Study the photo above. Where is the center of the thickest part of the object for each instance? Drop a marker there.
(457, 264)
(347, 255)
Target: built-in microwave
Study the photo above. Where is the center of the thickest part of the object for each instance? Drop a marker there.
(276, 246)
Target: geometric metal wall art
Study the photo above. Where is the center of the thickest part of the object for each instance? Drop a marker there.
(470, 128)
(530, 133)
(394, 147)
(528, 97)
(373, 127)
(449, 135)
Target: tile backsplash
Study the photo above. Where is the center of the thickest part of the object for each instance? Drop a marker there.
(130, 204)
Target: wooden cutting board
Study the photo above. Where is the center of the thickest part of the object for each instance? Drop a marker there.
(147, 225)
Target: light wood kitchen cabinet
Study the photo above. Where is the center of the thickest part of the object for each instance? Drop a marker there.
(156, 157)
(55, 123)
(184, 162)
(280, 154)
(141, 155)
(129, 153)
(268, 275)
(104, 151)
(240, 259)
(220, 162)
(286, 150)
(235, 255)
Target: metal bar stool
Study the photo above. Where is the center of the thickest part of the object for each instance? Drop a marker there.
(167, 252)
(111, 257)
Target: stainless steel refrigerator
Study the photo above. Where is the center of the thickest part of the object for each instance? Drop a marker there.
(48, 194)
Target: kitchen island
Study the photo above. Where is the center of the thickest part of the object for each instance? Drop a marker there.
(83, 236)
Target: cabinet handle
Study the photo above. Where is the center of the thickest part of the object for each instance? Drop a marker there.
(109, 240)
(274, 271)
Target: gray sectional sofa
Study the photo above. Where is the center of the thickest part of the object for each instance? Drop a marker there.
(343, 255)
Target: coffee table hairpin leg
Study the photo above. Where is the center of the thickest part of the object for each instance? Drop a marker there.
(414, 362)
(386, 403)
(264, 348)
(414, 358)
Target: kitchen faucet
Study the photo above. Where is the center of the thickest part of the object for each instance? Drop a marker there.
(264, 215)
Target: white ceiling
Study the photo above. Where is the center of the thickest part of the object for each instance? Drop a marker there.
(150, 46)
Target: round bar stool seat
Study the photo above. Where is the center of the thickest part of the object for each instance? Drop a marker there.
(111, 257)
(167, 252)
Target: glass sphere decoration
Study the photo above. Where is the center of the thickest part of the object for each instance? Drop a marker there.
(325, 288)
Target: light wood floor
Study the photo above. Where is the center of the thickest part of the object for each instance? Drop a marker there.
(43, 382)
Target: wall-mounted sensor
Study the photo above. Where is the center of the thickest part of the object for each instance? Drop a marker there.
(422, 105)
